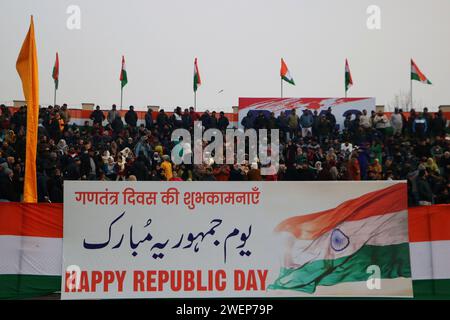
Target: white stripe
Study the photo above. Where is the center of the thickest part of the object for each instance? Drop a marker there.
(30, 255)
(430, 260)
(381, 230)
(415, 71)
(288, 75)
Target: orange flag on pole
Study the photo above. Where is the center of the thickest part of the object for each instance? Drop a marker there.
(27, 67)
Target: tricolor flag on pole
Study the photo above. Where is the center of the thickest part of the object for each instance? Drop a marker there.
(416, 74)
(27, 67)
(123, 74)
(338, 245)
(285, 74)
(123, 80)
(55, 76)
(55, 73)
(348, 77)
(197, 80)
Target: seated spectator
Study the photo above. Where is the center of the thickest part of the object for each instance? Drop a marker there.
(166, 166)
(110, 169)
(425, 194)
(375, 170)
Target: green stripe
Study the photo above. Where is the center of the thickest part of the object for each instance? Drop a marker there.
(124, 78)
(432, 289)
(291, 81)
(393, 261)
(14, 286)
(55, 77)
(415, 76)
(195, 81)
(347, 80)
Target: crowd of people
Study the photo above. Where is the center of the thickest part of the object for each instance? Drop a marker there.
(311, 147)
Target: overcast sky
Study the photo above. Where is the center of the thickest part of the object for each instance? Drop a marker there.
(238, 43)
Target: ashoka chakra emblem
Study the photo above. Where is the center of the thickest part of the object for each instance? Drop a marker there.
(339, 241)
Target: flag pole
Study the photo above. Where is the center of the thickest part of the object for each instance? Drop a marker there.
(195, 100)
(121, 96)
(281, 87)
(54, 97)
(411, 93)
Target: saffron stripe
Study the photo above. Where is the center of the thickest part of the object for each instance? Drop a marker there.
(31, 219)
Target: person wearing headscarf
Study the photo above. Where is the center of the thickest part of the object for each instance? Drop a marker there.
(376, 169)
(166, 166)
(431, 165)
(62, 147)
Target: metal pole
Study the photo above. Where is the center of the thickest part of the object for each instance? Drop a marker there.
(411, 95)
(54, 97)
(281, 87)
(121, 96)
(195, 100)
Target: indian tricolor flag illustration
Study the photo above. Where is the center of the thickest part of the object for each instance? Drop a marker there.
(31, 249)
(429, 236)
(55, 73)
(416, 74)
(339, 245)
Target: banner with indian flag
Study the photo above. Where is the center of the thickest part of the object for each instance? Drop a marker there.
(338, 245)
(301, 239)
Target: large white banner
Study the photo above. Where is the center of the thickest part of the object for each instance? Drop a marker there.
(235, 239)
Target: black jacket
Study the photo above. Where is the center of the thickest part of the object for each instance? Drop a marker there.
(131, 118)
